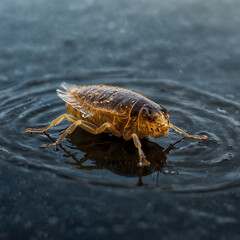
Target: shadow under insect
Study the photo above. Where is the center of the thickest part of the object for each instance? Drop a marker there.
(105, 151)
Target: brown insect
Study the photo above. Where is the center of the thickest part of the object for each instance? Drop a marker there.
(122, 112)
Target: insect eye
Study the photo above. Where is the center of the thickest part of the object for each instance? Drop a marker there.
(150, 118)
(144, 113)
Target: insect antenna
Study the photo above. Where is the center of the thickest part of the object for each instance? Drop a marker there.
(186, 134)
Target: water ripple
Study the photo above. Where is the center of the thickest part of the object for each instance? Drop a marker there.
(187, 166)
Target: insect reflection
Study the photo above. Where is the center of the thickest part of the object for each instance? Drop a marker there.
(103, 152)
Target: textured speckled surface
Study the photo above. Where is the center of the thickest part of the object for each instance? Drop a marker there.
(183, 54)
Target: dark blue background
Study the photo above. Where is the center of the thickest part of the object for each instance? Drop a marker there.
(195, 43)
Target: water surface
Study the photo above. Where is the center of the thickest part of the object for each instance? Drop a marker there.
(184, 56)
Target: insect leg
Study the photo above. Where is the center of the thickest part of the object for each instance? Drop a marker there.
(97, 130)
(186, 134)
(55, 122)
(142, 158)
(69, 130)
(89, 127)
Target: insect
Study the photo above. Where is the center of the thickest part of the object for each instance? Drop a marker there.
(122, 112)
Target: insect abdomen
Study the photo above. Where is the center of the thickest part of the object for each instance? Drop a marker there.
(113, 99)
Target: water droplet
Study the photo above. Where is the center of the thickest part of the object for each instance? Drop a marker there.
(221, 110)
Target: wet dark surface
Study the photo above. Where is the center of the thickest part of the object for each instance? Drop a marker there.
(184, 55)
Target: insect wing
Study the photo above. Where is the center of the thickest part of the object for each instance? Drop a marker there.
(67, 96)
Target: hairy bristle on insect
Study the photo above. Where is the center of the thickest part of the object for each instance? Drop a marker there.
(68, 86)
(67, 94)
